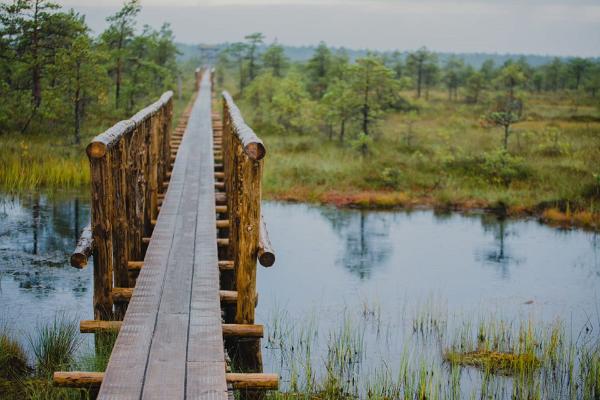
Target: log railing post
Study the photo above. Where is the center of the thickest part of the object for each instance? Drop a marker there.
(120, 227)
(102, 233)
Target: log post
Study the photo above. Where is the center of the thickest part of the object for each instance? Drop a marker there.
(102, 232)
(247, 216)
(120, 227)
(155, 183)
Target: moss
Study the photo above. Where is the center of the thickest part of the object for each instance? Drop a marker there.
(494, 361)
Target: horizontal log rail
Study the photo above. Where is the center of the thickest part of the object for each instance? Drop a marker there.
(84, 248)
(253, 146)
(239, 381)
(229, 330)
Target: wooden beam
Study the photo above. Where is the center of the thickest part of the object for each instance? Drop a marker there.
(221, 209)
(243, 330)
(84, 248)
(219, 174)
(225, 265)
(220, 198)
(78, 379)
(122, 295)
(146, 240)
(222, 223)
(93, 326)
(135, 265)
(222, 242)
(228, 296)
(254, 381)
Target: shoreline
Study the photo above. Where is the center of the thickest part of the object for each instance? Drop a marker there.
(374, 200)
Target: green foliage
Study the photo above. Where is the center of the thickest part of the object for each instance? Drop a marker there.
(362, 143)
(282, 105)
(502, 168)
(274, 60)
(55, 77)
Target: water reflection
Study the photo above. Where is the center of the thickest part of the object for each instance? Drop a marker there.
(37, 233)
(366, 238)
(499, 254)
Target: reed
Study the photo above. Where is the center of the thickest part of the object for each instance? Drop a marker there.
(54, 345)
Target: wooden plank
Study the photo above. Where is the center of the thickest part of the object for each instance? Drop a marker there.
(206, 358)
(166, 370)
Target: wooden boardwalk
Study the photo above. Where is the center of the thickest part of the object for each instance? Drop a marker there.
(170, 343)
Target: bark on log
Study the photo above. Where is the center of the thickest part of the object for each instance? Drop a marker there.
(243, 330)
(252, 144)
(266, 254)
(228, 296)
(78, 379)
(253, 381)
(121, 295)
(94, 326)
(84, 248)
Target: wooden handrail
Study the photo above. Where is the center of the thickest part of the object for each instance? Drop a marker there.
(101, 143)
(253, 146)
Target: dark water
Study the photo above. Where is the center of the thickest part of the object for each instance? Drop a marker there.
(370, 272)
(37, 234)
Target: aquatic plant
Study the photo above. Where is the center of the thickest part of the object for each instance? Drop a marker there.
(13, 360)
(54, 345)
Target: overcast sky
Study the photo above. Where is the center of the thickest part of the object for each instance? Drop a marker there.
(556, 27)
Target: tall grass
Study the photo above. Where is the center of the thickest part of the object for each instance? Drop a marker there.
(435, 356)
(54, 345)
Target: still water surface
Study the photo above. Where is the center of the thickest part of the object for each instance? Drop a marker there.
(374, 268)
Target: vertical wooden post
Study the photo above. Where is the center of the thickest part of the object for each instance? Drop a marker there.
(247, 214)
(102, 232)
(118, 156)
(135, 201)
(146, 127)
(155, 128)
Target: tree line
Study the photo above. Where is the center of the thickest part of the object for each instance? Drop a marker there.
(330, 93)
(54, 74)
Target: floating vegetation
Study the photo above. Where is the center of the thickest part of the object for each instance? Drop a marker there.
(494, 361)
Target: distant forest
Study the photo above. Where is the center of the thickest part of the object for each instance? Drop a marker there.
(304, 53)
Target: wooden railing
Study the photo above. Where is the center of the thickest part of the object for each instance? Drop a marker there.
(242, 156)
(129, 163)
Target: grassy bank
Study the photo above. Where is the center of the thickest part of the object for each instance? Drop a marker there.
(443, 157)
(26, 371)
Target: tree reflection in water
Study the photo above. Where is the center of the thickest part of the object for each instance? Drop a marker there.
(366, 239)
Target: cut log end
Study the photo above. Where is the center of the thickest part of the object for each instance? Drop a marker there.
(78, 260)
(96, 149)
(255, 151)
(266, 258)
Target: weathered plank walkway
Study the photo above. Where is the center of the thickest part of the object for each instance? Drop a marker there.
(171, 340)
(170, 344)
